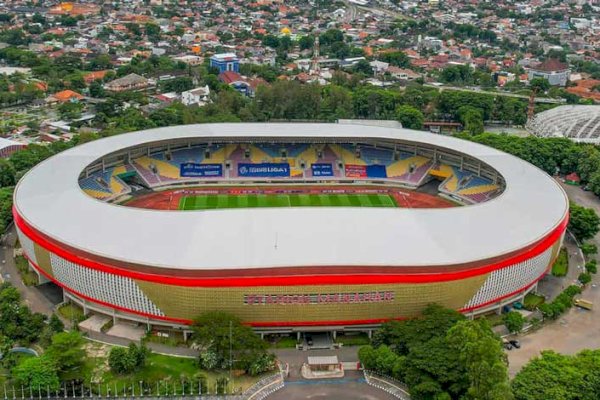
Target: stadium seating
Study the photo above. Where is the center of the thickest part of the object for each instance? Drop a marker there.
(346, 155)
(411, 170)
(468, 186)
(373, 155)
(163, 167)
(181, 156)
(105, 184)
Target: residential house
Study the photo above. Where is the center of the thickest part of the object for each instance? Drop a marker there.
(64, 97)
(225, 62)
(127, 83)
(556, 72)
(198, 96)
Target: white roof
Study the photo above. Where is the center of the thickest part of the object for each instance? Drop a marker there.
(224, 56)
(322, 360)
(580, 123)
(7, 143)
(50, 200)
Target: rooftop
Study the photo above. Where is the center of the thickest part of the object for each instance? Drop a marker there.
(531, 207)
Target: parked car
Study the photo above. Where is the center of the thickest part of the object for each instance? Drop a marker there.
(507, 345)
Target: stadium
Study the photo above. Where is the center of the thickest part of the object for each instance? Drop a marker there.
(580, 123)
(290, 227)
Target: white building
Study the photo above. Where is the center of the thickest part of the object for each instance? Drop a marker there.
(198, 96)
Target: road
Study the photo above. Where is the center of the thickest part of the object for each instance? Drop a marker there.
(351, 387)
(351, 12)
(577, 329)
(36, 301)
(546, 100)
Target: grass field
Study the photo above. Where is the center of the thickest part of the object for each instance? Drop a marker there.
(285, 200)
(561, 265)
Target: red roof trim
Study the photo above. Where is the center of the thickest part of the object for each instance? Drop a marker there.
(293, 280)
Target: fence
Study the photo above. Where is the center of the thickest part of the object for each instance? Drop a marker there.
(181, 390)
(387, 384)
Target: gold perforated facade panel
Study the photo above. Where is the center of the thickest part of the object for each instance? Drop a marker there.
(43, 259)
(336, 302)
(299, 304)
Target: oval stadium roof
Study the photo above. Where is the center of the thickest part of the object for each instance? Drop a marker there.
(50, 200)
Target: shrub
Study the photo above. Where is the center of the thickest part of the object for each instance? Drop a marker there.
(126, 360)
(585, 278)
(589, 249)
(514, 321)
(563, 302)
(591, 267)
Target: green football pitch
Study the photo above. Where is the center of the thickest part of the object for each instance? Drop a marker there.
(215, 201)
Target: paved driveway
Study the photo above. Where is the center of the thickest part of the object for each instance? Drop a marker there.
(351, 387)
(578, 329)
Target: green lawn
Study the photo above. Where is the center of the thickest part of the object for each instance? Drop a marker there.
(360, 339)
(71, 312)
(561, 265)
(169, 374)
(285, 200)
(532, 301)
(286, 342)
(28, 277)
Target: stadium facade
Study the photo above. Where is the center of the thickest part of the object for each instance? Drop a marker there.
(290, 268)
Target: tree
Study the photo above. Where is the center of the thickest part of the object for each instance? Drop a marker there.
(363, 67)
(589, 249)
(119, 361)
(306, 42)
(514, 321)
(180, 84)
(216, 332)
(584, 278)
(395, 58)
(66, 351)
(457, 74)
(555, 376)
(591, 266)
(472, 119)
(37, 373)
(410, 117)
(55, 324)
(96, 89)
(17, 323)
(426, 364)
(100, 62)
(480, 351)
(539, 85)
(152, 31)
(7, 173)
(127, 360)
(584, 222)
(70, 111)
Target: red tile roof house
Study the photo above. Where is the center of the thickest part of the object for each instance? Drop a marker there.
(556, 72)
(245, 86)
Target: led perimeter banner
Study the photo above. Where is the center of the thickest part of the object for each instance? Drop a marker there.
(264, 170)
(322, 169)
(195, 170)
